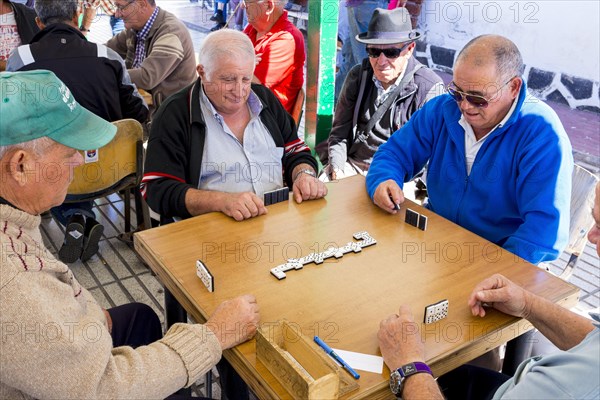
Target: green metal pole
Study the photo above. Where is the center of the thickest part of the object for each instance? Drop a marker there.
(320, 79)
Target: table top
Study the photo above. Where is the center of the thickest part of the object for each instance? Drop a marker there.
(343, 300)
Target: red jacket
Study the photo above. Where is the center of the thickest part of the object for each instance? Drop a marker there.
(281, 68)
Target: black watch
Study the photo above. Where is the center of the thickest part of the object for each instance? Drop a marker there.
(398, 376)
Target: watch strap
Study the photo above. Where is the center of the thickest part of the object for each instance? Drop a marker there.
(305, 171)
(416, 367)
(398, 377)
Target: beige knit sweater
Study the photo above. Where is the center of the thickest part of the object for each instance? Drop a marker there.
(54, 343)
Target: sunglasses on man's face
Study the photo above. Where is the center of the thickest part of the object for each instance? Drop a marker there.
(393, 52)
(474, 99)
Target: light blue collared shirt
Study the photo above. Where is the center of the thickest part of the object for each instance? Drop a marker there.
(234, 167)
(572, 374)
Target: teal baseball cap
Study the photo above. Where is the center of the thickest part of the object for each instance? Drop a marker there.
(34, 104)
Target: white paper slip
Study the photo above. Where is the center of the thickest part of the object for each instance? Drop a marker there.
(363, 362)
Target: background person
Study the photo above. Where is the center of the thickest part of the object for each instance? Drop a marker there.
(358, 14)
(17, 26)
(157, 48)
(379, 95)
(279, 48)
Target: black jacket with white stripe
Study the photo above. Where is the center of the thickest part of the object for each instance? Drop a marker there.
(95, 74)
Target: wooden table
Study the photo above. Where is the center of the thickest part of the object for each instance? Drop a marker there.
(344, 300)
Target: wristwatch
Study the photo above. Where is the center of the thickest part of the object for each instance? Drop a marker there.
(82, 29)
(305, 171)
(398, 376)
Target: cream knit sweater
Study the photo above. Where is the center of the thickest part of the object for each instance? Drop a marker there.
(54, 343)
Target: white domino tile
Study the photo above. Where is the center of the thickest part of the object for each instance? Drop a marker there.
(205, 276)
(277, 273)
(436, 312)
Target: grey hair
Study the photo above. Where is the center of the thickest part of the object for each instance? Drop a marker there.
(37, 146)
(225, 43)
(507, 57)
(55, 11)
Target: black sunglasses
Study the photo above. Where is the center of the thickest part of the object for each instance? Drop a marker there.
(375, 52)
(474, 99)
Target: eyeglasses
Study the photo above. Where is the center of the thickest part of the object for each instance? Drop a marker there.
(391, 53)
(473, 99)
(123, 8)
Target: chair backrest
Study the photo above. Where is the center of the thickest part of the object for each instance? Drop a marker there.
(582, 201)
(298, 107)
(112, 168)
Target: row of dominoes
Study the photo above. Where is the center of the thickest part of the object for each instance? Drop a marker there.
(435, 312)
(318, 258)
(276, 196)
(415, 219)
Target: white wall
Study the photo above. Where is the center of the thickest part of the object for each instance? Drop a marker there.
(553, 35)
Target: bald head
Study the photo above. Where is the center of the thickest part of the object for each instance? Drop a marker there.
(496, 50)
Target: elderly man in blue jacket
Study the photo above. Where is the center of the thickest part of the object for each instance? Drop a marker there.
(500, 162)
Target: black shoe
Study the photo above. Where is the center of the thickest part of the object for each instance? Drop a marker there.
(73, 243)
(217, 27)
(218, 17)
(91, 237)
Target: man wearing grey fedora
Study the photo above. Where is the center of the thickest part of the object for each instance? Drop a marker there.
(379, 95)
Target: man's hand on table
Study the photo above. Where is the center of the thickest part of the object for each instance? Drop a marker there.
(307, 187)
(502, 294)
(400, 339)
(235, 321)
(241, 206)
(387, 195)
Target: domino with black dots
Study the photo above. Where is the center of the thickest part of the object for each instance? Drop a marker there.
(205, 276)
(435, 312)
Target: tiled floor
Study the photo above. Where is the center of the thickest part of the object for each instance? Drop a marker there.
(117, 275)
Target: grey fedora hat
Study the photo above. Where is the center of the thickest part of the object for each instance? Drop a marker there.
(389, 27)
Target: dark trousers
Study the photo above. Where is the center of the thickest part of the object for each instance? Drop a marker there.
(135, 325)
(471, 382)
(233, 386)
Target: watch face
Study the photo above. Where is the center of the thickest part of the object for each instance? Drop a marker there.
(395, 382)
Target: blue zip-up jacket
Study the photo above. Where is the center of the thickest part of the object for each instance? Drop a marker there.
(519, 190)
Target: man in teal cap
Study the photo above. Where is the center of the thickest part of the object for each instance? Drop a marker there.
(57, 342)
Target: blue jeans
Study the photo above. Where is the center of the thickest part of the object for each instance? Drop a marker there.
(116, 24)
(66, 210)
